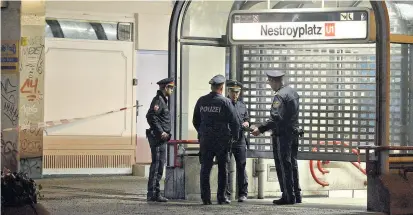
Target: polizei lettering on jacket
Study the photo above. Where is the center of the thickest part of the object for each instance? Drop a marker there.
(291, 31)
(211, 109)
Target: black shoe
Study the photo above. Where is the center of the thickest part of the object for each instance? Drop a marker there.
(283, 202)
(242, 199)
(158, 199)
(206, 202)
(298, 199)
(224, 201)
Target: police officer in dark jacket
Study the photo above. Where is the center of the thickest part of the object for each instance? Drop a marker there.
(239, 147)
(284, 125)
(217, 124)
(159, 120)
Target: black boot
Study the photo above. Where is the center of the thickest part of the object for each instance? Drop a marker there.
(283, 201)
(298, 198)
(223, 201)
(242, 199)
(207, 202)
(158, 199)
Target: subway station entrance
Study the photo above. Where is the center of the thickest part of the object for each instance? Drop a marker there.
(350, 61)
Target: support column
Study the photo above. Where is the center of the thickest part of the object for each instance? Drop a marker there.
(31, 86)
(10, 36)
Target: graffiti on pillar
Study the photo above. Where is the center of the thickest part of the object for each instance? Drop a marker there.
(9, 100)
(29, 89)
(9, 119)
(28, 109)
(9, 153)
(31, 104)
(31, 166)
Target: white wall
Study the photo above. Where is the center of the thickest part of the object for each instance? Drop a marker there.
(84, 78)
(153, 30)
(126, 7)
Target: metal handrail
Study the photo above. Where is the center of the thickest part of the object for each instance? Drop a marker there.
(176, 154)
(382, 148)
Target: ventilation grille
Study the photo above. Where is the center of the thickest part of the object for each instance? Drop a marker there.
(86, 161)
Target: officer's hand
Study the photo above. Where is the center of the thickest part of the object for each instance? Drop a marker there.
(256, 132)
(245, 124)
(164, 136)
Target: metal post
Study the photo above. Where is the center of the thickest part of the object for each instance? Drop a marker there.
(233, 63)
(410, 88)
(404, 99)
(232, 75)
(383, 81)
(260, 173)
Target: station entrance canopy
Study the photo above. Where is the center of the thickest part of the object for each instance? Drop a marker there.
(337, 58)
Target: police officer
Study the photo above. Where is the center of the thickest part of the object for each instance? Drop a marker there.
(239, 147)
(284, 125)
(217, 124)
(159, 120)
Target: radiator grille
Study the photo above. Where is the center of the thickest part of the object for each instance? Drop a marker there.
(86, 161)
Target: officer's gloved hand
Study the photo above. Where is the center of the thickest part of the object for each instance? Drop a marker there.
(298, 132)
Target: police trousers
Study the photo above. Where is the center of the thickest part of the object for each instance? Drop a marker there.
(240, 155)
(285, 149)
(208, 150)
(158, 153)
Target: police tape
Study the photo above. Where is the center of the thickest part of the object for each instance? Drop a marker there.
(63, 121)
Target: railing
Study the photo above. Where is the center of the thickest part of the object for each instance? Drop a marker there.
(403, 169)
(324, 171)
(176, 151)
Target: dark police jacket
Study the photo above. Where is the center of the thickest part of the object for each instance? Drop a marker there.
(216, 118)
(243, 115)
(284, 112)
(158, 116)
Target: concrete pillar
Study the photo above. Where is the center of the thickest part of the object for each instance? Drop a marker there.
(31, 105)
(24, 26)
(10, 36)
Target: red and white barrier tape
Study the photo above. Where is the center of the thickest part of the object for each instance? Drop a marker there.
(63, 121)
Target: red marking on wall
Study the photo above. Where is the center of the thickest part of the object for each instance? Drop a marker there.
(30, 87)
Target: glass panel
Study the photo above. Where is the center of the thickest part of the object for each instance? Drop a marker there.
(309, 4)
(110, 30)
(401, 95)
(48, 31)
(206, 18)
(199, 65)
(90, 30)
(77, 30)
(401, 17)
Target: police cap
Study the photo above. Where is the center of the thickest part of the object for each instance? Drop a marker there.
(234, 85)
(166, 81)
(275, 73)
(218, 79)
